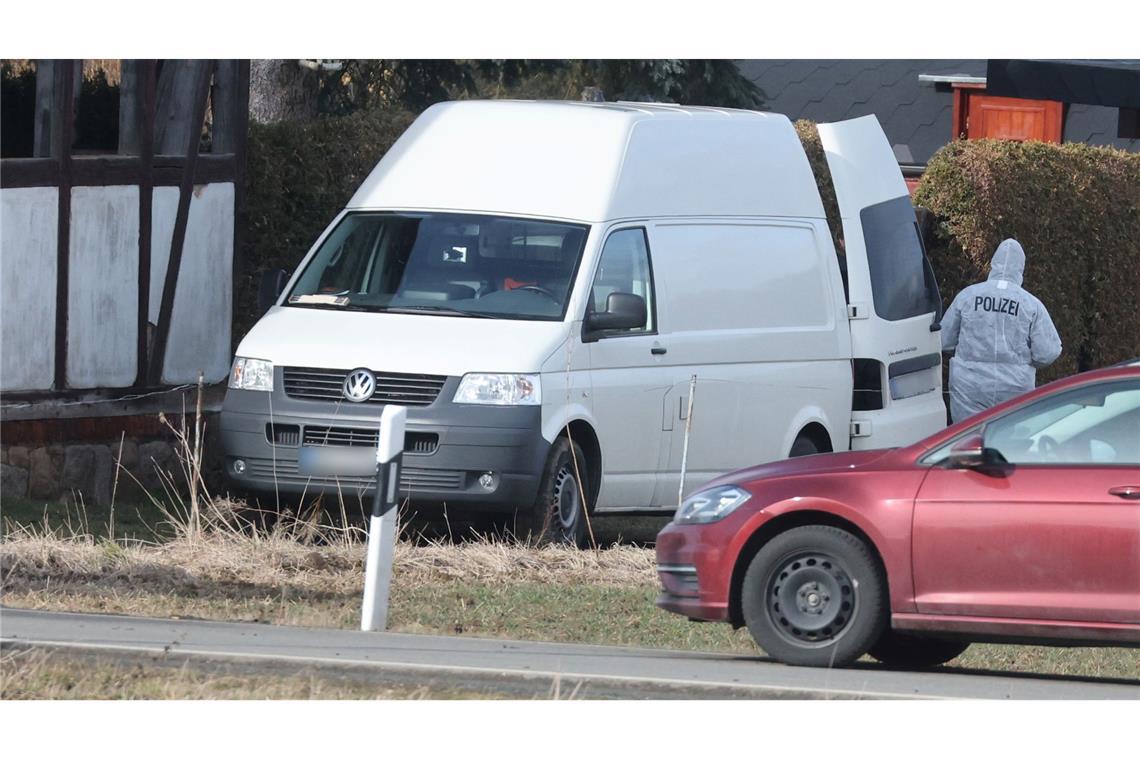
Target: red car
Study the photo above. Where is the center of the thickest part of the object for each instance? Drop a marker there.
(1020, 524)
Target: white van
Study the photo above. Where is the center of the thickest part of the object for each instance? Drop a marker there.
(538, 279)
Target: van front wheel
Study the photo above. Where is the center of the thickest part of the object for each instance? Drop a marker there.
(559, 512)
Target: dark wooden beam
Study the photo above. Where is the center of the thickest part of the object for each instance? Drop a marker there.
(99, 171)
(29, 172)
(174, 123)
(241, 156)
(130, 104)
(62, 150)
(147, 84)
(46, 83)
(224, 107)
(174, 265)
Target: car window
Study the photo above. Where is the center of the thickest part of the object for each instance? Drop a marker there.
(624, 268)
(1097, 424)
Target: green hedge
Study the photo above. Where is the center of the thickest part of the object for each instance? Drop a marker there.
(300, 175)
(1076, 211)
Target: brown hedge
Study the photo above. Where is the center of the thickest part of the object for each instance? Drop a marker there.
(809, 137)
(300, 175)
(1076, 211)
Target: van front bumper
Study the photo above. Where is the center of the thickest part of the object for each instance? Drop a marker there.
(450, 446)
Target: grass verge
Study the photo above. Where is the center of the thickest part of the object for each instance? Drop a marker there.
(489, 589)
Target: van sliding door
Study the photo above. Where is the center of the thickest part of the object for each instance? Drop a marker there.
(894, 306)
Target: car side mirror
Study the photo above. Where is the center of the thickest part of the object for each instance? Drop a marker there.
(624, 311)
(971, 453)
(269, 290)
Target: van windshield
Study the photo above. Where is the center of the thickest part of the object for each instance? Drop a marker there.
(444, 264)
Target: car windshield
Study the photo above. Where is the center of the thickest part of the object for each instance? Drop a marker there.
(444, 264)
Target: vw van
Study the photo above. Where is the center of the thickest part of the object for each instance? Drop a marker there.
(540, 282)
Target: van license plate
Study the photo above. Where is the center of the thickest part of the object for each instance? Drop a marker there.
(336, 461)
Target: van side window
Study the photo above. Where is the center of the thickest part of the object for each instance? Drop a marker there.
(624, 268)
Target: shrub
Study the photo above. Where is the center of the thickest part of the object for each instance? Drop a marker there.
(300, 175)
(809, 137)
(1076, 211)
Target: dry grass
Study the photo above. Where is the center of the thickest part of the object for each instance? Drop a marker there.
(279, 559)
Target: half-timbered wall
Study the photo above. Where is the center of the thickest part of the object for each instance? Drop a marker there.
(116, 271)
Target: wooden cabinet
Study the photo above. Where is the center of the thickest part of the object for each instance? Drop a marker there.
(978, 115)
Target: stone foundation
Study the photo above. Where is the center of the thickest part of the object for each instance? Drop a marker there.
(87, 471)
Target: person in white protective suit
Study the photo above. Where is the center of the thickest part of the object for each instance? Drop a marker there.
(1000, 334)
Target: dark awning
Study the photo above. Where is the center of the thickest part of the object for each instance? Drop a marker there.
(1092, 82)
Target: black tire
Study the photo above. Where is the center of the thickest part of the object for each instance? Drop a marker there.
(558, 514)
(907, 651)
(803, 447)
(815, 595)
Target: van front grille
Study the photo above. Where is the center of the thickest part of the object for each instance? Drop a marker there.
(315, 384)
(317, 435)
(412, 479)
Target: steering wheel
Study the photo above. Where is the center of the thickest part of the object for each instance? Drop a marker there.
(1047, 447)
(542, 291)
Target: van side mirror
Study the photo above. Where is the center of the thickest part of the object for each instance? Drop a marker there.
(268, 291)
(624, 311)
(971, 453)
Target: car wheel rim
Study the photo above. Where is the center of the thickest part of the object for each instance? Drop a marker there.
(567, 501)
(810, 599)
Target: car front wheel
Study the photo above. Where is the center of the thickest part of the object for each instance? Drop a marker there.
(815, 595)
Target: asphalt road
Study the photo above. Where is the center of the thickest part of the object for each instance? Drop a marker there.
(491, 663)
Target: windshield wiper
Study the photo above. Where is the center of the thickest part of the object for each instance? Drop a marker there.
(443, 311)
(331, 306)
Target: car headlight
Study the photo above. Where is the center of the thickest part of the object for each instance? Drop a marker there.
(711, 505)
(502, 390)
(251, 374)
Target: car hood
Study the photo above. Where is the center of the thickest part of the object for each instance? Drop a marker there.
(817, 464)
(413, 343)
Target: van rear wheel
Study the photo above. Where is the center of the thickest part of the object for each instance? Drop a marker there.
(558, 515)
(803, 447)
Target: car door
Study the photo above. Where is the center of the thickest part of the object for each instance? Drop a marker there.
(1055, 533)
(893, 299)
(627, 378)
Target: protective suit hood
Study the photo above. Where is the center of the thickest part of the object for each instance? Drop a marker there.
(1008, 262)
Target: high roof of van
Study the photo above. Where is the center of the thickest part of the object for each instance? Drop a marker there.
(594, 162)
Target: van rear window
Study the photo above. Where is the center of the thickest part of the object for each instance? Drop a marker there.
(899, 281)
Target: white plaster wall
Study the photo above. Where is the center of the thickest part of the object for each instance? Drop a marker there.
(102, 318)
(200, 323)
(28, 234)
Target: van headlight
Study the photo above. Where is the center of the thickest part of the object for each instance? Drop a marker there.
(251, 374)
(501, 390)
(711, 505)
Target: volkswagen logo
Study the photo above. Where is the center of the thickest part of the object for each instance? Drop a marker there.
(359, 385)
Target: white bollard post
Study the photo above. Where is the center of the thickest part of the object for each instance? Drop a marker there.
(382, 525)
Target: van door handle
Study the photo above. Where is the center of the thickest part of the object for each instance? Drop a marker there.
(1126, 492)
(658, 350)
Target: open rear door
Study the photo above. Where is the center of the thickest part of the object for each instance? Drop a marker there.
(894, 305)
